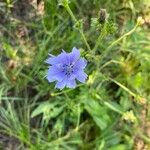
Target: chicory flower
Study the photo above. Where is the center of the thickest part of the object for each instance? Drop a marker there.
(66, 68)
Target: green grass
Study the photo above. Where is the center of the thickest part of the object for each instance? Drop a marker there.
(110, 111)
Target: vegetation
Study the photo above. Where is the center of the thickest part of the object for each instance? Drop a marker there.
(111, 110)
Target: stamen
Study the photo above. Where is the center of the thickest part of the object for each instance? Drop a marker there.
(68, 69)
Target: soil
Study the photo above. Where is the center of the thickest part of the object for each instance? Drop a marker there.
(8, 143)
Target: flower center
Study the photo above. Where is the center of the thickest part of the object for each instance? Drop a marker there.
(67, 69)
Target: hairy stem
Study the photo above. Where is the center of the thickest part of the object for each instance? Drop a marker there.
(117, 41)
(124, 88)
(102, 34)
(85, 41)
(80, 30)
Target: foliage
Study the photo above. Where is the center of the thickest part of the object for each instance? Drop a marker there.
(111, 110)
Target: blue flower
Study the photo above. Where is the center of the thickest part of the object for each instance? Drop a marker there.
(66, 68)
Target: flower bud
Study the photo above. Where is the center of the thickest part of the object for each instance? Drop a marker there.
(103, 16)
(129, 116)
(140, 20)
(63, 2)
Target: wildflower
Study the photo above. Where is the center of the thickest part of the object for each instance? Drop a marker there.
(66, 68)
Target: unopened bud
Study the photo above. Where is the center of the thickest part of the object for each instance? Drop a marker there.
(103, 15)
(129, 116)
(63, 2)
(140, 20)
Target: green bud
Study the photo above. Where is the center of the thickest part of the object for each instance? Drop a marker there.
(79, 24)
(111, 27)
(94, 22)
(63, 2)
(129, 116)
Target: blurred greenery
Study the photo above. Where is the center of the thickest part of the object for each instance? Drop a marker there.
(110, 111)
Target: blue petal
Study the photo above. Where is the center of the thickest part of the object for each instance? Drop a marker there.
(74, 55)
(49, 78)
(59, 76)
(71, 84)
(81, 76)
(50, 74)
(78, 67)
(61, 58)
(61, 85)
(54, 74)
(72, 76)
(51, 60)
(80, 64)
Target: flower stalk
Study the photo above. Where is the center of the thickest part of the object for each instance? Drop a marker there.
(67, 7)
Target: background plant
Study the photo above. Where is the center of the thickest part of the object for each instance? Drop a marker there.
(110, 111)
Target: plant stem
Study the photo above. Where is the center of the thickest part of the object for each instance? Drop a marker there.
(126, 34)
(123, 87)
(71, 13)
(118, 40)
(78, 120)
(85, 41)
(102, 34)
(109, 62)
(80, 30)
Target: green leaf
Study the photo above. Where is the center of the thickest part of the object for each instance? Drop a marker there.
(98, 113)
(113, 106)
(9, 50)
(118, 147)
(49, 110)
